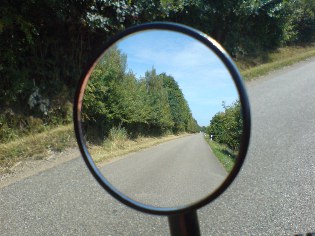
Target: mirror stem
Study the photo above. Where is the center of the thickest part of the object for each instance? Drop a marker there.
(185, 224)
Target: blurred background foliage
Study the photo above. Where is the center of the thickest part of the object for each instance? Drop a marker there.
(45, 44)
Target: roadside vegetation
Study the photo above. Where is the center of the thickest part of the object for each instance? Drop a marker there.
(224, 133)
(122, 113)
(224, 154)
(35, 146)
(42, 59)
(254, 66)
(226, 127)
(116, 101)
(118, 144)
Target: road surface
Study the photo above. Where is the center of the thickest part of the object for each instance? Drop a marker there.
(273, 195)
(171, 174)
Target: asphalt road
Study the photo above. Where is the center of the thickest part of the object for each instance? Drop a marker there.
(171, 174)
(273, 195)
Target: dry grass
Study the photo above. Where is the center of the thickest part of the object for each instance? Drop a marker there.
(35, 146)
(39, 146)
(112, 149)
(253, 67)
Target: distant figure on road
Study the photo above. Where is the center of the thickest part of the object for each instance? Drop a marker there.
(211, 137)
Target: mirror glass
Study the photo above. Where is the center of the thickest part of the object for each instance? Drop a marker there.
(161, 118)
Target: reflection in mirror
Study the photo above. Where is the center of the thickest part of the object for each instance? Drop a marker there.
(161, 118)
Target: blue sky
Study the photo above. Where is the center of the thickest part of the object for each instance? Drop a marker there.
(202, 77)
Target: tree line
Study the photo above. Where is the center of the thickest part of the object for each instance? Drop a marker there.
(151, 105)
(45, 44)
(226, 126)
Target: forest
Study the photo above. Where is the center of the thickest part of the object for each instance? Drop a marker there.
(44, 45)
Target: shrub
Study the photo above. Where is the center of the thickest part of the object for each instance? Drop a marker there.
(117, 134)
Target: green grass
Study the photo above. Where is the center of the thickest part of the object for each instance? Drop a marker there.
(259, 65)
(36, 146)
(224, 154)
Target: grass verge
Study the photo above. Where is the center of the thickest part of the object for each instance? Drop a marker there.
(39, 146)
(253, 67)
(224, 154)
(36, 146)
(114, 148)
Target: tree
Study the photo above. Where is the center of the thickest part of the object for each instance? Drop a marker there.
(300, 21)
(227, 126)
(178, 105)
(98, 111)
(45, 44)
(160, 117)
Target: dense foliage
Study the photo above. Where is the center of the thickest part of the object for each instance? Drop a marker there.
(45, 44)
(115, 98)
(226, 127)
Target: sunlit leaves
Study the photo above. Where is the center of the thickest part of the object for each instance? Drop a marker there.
(226, 127)
(153, 104)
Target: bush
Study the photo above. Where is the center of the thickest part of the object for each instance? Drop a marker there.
(117, 137)
(227, 126)
(117, 134)
(13, 126)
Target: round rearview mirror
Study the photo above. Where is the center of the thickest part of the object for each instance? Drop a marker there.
(162, 118)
